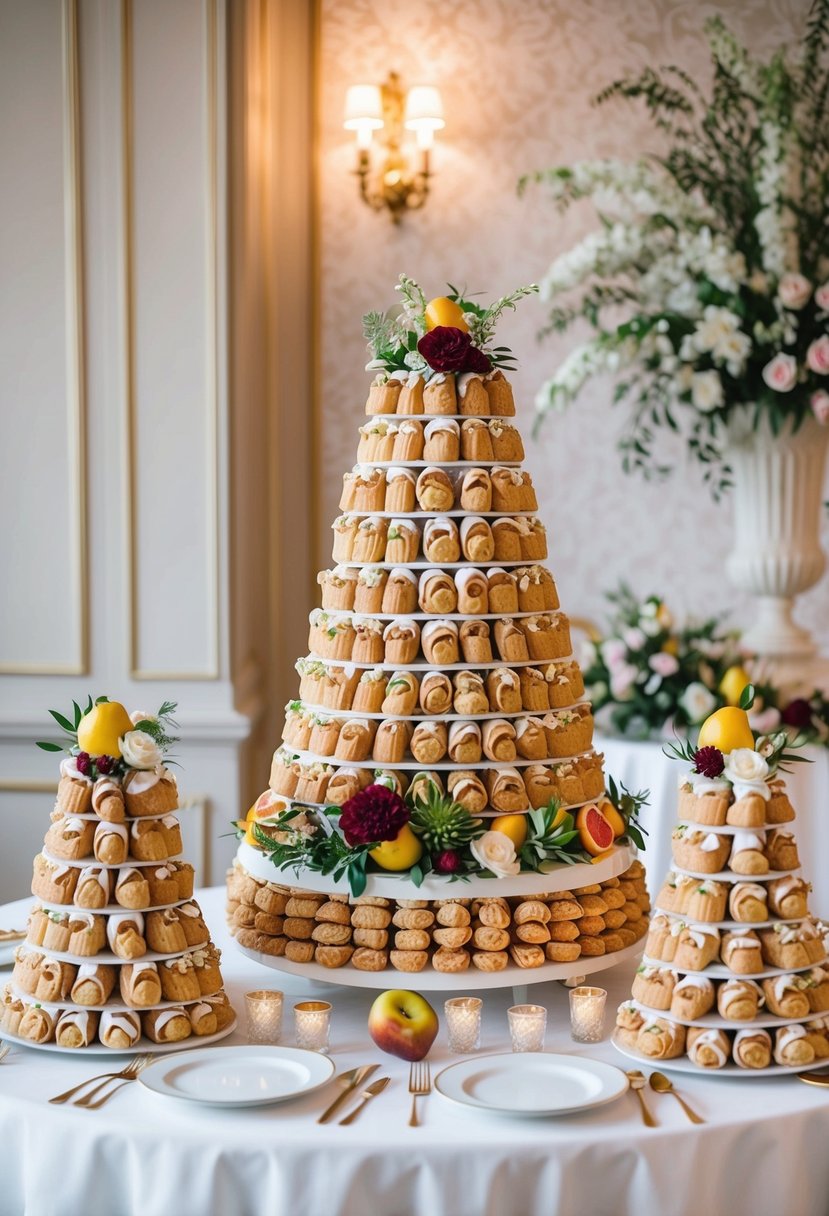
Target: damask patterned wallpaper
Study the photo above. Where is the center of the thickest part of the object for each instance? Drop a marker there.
(517, 77)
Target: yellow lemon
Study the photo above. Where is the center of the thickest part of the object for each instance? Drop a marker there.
(443, 311)
(733, 683)
(514, 826)
(400, 853)
(671, 647)
(102, 727)
(613, 817)
(727, 729)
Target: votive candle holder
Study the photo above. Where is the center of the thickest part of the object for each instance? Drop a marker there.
(527, 1027)
(312, 1020)
(463, 1023)
(264, 1010)
(587, 1014)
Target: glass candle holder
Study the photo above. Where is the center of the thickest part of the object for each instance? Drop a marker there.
(264, 1009)
(463, 1023)
(527, 1027)
(313, 1025)
(587, 1014)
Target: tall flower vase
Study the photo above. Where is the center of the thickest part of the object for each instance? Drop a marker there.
(778, 496)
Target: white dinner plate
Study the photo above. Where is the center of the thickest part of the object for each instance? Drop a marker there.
(239, 1076)
(7, 950)
(536, 1083)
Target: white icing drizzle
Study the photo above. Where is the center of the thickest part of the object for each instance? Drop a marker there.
(398, 471)
(463, 381)
(164, 1016)
(710, 844)
(82, 1018)
(459, 731)
(433, 627)
(402, 627)
(714, 1040)
(695, 981)
(124, 918)
(441, 424)
(69, 768)
(127, 1022)
(463, 577)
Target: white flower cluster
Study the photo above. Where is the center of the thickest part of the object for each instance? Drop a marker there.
(775, 222)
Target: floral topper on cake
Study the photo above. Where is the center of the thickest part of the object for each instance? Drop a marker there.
(450, 333)
(105, 740)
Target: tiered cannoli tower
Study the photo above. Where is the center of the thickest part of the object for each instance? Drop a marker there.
(117, 953)
(439, 661)
(731, 977)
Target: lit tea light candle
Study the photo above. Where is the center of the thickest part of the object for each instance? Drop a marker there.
(264, 1009)
(463, 1022)
(313, 1025)
(587, 1014)
(527, 1027)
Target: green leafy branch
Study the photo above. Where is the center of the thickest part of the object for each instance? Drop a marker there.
(70, 725)
(629, 806)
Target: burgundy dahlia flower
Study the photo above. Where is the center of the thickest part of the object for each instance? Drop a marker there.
(448, 349)
(709, 761)
(376, 813)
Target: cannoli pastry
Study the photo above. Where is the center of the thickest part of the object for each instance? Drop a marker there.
(147, 841)
(741, 952)
(697, 946)
(429, 742)
(660, 1039)
(548, 635)
(708, 1048)
(437, 593)
(166, 1025)
(436, 693)
(399, 489)
(536, 589)
(125, 934)
(693, 997)
(565, 683)
(470, 696)
(653, 987)
(434, 490)
(141, 985)
(355, 740)
(476, 442)
(370, 589)
(510, 641)
(370, 539)
(206, 962)
(298, 723)
(203, 1020)
(37, 1024)
(747, 902)
(499, 393)
(120, 1030)
(568, 731)
(506, 490)
(530, 739)
(472, 396)
(439, 395)
(749, 811)
(503, 591)
(467, 789)
(441, 542)
(338, 588)
(52, 881)
(778, 808)
(473, 594)
(570, 788)
(369, 489)
(439, 640)
(792, 1047)
(408, 443)
(284, 774)
(506, 441)
(816, 986)
(788, 897)
(150, 791)
(401, 693)
(403, 541)
(93, 984)
(785, 996)
(70, 838)
(475, 643)
(752, 1048)
(376, 439)
(464, 742)
(817, 1033)
(702, 852)
(391, 742)
(132, 889)
(504, 691)
(165, 932)
(506, 790)
(705, 901)
(108, 800)
(441, 440)
(383, 395)
(477, 539)
(781, 850)
(344, 528)
(370, 691)
(704, 800)
(401, 640)
(178, 979)
(424, 786)
(410, 400)
(476, 491)
(222, 1008)
(534, 694)
(344, 784)
(792, 946)
(325, 732)
(739, 1000)
(74, 788)
(747, 855)
(506, 539)
(540, 784)
(629, 1021)
(499, 739)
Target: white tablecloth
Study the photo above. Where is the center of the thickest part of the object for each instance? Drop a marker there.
(761, 1153)
(645, 766)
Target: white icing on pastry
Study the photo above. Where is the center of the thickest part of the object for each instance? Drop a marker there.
(714, 1040)
(127, 1022)
(432, 627)
(124, 918)
(69, 768)
(711, 843)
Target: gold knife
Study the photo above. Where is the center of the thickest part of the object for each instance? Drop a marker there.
(354, 1079)
(373, 1090)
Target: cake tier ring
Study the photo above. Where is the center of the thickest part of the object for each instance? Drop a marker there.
(729, 1071)
(443, 766)
(141, 1045)
(424, 666)
(735, 925)
(713, 1021)
(115, 1006)
(376, 715)
(128, 862)
(719, 971)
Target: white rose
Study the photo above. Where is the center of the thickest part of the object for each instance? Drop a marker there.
(794, 291)
(697, 702)
(781, 373)
(747, 771)
(140, 750)
(495, 851)
(706, 390)
(140, 716)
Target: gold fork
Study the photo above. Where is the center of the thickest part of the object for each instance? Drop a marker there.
(126, 1073)
(133, 1070)
(420, 1084)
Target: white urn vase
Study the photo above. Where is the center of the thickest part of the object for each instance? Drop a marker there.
(778, 497)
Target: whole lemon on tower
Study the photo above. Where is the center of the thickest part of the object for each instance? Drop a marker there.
(443, 311)
(514, 826)
(101, 729)
(399, 854)
(733, 683)
(726, 729)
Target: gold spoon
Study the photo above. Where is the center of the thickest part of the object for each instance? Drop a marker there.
(664, 1085)
(637, 1084)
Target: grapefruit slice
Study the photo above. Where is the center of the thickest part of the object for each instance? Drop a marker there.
(595, 831)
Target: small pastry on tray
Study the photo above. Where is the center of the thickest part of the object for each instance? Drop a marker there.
(178, 979)
(747, 856)
(37, 1024)
(752, 1048)
(391, 742)
(70, 838)
(749, 811)
(437, 593)
(165, 932)
(74, 788)
(441, 540)
(467, 789)
(472, 396)
(654, 987)
(741, 952)
(499, 393)
(132, 888)
(434, 490)
(748, 902)
(697, 946)
(534, 691)
(93, 984)
(408, 442)
(660, 1039)
(740, 1000)
(504, 691)
(506, 490)
(166, 1025)
(370, 691)
(476, 443)
(476, 491)
(476, 538)
(781, 850)
(704, 800)
(473, 592)
(792, 1047)
(502, 586)
(338, 588)
(792, 946)
(410, 400)
(402, 640)
(788, 897)
(400, 490)
(401, 693)
(469, 696)
(111, 843)
(442, 440)
(779, 809)
(530, 738)
(708, 1048)
(436, 694)
(429, 742)
(439, 395)
(629, 1021)
(147, 840)
(510, 641)
(440, 643)
(506, 789)
(125, 934)
(52, 881)
(785, 996)
(368, 594)
(700, 852)
(692, 998)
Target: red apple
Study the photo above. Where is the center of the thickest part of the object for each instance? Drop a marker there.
(403, 1024)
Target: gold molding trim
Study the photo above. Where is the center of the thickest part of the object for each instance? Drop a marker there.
(136, 672)
(74, 350)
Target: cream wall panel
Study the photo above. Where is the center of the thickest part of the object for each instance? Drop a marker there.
(42, 611)
(171, 283)
(24, 820)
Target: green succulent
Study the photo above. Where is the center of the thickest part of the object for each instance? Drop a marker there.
(550, 839)
(441, 823)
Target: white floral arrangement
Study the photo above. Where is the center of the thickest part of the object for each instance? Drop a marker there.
(706, 282)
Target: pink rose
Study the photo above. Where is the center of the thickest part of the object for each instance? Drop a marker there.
(817, 356)
(781, 373)
(794, 291)
(822, 297)
(622, 681)
(613, 652)
(663, 664)
(820, 406)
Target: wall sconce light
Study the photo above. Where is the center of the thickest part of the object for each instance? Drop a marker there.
(399, 182)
